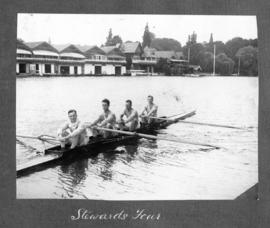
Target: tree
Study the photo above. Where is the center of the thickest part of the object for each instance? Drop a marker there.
(253, 42)
(166, 44)
(113, 40)
(195, 52)
(224, 64)
(234, 45)
(109, 38)
(147, 37)
(116, 40)
(248, 60)
(205, 60)
(21, 40)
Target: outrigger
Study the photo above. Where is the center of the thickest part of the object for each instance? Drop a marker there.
(56, 154)
(95, 145)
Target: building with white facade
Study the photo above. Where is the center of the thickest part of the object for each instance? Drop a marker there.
(42, 58)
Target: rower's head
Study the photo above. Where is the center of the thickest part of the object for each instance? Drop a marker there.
(150, 99)
(128, 104)
(72, 115)
(105, 104)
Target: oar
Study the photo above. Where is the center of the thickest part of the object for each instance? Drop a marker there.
(33, 149)
(176, 115)
(211, 125)
(42, 137)
(155, 137)
(199, 123)
(168, 118)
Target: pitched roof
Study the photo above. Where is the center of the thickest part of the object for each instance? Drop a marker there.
(108, 49)
(41, 46)
(149, 52)
(94, 50)
(165, 54)
(71, 49)
(131, 47)
(60, 47)
(21, 45)
(113, 51)
(82, 48)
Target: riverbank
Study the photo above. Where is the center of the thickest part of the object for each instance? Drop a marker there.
(105, 75)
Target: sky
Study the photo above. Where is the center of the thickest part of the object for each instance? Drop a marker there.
(92, 29)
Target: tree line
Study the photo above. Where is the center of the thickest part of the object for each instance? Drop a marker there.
(236, 56)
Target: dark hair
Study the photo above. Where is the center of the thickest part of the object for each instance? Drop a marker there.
(106, 101)
(151, 97)
(72, 110)
(129, 101)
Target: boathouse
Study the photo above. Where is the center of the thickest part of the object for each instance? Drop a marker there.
(44, 59)
(116, 60)
(71, 61)
(23, 57)
(95, 61)
(137, 59)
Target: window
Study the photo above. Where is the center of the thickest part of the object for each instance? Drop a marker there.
(47, 68)
(37, 68)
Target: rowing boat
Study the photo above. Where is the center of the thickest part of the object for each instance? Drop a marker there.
(56, 154)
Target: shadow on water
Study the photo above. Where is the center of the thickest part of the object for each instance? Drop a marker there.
(74, 173)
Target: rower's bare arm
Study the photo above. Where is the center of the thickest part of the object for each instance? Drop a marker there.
(122, 115)
(132, 116)
(96, 121)
(144, 110)
(107, 120)
(77, 131)
(60, 131)
(154, 109)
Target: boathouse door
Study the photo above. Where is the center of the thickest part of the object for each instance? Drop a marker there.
(22, 68)
(97, 70)
(118, 70)
(64, 70)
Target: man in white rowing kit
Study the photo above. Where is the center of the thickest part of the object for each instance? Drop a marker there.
(149, 111)
(130, 123)
(72, 133)
(107, 120)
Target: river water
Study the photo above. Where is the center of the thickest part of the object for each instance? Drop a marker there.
(148, 170)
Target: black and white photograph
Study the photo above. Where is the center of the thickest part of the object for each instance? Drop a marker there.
(136, 106)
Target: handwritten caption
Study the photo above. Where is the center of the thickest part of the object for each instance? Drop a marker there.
(139, 214)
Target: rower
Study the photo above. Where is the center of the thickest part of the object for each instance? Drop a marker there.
(107, 119)
(150, 110)
(72, 133)
(131, 121)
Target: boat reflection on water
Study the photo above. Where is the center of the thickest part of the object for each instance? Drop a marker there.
(73, 174)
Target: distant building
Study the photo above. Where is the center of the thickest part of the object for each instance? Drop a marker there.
(71, 61)
(95, 60)
(137, 59)
(42, 58)
(23, 54)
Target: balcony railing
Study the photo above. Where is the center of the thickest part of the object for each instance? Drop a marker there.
(71, 60)
(144, 61)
